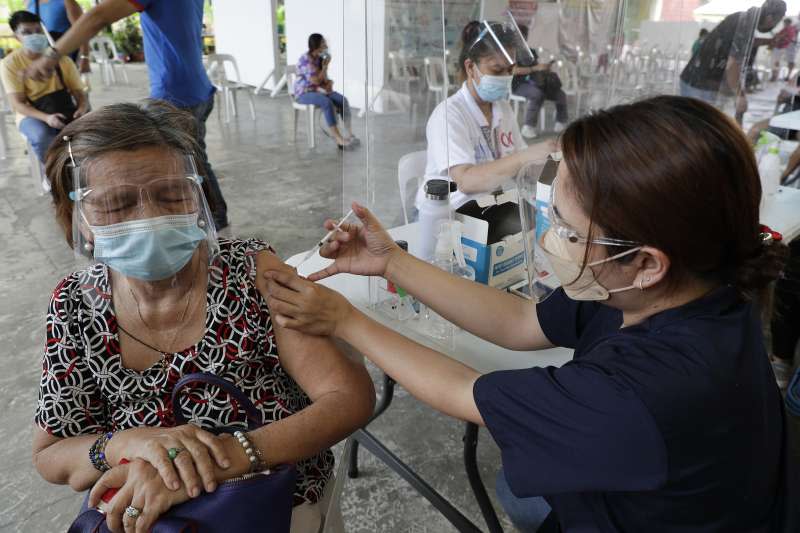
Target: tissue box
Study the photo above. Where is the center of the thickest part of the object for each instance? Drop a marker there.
(492, 241)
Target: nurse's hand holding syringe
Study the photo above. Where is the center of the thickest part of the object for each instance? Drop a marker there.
(367, 249)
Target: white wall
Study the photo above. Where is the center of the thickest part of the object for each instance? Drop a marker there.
(247, 30)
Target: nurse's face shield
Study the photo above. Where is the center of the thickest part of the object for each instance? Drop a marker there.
(109, 198)
(499, 47)
(544, 226)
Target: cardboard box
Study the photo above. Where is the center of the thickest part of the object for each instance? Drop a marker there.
(492, 241)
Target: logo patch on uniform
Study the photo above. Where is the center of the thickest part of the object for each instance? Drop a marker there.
(506, 139)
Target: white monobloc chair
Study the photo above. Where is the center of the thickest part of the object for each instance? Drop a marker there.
(227, 88)
(410, 169)
(104, 52)
(310, 110)
(41, 184)
(5, 111)
(436, 79)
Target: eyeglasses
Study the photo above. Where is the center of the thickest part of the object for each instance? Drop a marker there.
(110, 204)
(570, 234)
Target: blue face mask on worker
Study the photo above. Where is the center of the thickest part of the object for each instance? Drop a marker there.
(492, 88)
(149, 249)
(35, 42)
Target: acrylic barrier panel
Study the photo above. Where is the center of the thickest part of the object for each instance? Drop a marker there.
(418, 121)
(407, 75)
(610, 52)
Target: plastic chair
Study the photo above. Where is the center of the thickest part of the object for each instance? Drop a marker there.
(218, 74)
(516, 100)
(310, 110)
(436, 79)
(401, 72)
(104, 52)
(5, 111)
(41, 183)
(411, 167)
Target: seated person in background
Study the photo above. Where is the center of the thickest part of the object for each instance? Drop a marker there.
(58, 16)
(122, 331)
(42, 108)
(537, 83)
(473, 136)
(315, 88)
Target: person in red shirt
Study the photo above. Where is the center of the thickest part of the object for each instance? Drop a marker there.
(784, 44)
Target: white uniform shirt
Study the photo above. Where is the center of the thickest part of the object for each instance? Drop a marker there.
(460, 138)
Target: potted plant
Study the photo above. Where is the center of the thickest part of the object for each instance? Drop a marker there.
(128, 39)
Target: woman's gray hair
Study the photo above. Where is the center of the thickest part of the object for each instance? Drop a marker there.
(127, 126)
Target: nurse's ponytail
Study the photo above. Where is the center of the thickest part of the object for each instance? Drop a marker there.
(469, 35)
(641, 177)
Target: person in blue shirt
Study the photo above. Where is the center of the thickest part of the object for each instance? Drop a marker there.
(668, 419)
(173, 45)
(58, 16)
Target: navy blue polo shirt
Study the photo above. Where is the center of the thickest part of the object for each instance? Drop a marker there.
(173, 50)
(671, 425)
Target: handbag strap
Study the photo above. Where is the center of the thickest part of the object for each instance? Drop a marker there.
(37, 8)
(253, 414)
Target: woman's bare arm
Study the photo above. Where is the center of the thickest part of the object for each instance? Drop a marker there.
(340, 390)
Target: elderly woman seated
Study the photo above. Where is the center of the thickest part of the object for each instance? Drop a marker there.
(161, 298)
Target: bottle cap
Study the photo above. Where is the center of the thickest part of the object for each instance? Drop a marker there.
(437, 189)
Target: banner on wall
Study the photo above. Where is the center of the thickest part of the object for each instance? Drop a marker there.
(593, 25)
(524, 11)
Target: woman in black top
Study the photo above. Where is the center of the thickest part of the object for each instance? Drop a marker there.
(668, 419)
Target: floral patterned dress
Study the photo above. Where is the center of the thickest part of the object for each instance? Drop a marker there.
(85, 389)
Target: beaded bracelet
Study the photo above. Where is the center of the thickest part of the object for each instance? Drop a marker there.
(257, 463)
(97, 453)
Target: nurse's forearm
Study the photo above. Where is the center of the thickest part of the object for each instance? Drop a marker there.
(487, 177)
(430, 376)
(493, 315)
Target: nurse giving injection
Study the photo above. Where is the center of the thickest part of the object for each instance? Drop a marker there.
(656, 422)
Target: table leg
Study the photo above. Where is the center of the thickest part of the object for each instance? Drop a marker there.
(453, 515)
(384, 401)
(474, 476)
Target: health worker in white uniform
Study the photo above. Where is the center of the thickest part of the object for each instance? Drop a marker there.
(474, 135)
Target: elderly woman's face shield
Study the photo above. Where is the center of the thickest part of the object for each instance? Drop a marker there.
(144, 219)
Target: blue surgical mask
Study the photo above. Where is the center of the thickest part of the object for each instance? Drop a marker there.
(493, 88)
(35, 42)
(149, 249)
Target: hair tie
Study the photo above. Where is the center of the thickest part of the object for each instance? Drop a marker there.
(767, 235)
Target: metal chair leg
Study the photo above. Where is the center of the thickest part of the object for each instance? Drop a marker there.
(384, 401)
(474, 476)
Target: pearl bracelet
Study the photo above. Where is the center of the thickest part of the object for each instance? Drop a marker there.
(257, 463)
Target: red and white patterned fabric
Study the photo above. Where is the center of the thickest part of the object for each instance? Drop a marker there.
(86, 390)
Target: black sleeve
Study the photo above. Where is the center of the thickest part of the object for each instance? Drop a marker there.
(563, 320)
(572, 429)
